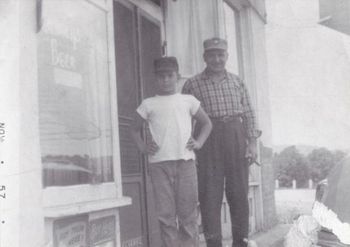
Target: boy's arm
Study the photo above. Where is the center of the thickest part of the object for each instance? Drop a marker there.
(205, 125)
(135, 132)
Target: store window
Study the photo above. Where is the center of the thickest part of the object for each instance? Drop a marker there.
(232, 33)
(74, 94)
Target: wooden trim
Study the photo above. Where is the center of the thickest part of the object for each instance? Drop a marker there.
(252, 66)
(65, 195)
(151, 17)
(239, 42)
(99, 4)
(250, 78)
(154, 12)
(85, 207)
(118, 192)
(237, 4)
(113, 98)
(260, 12)
(107, 212)
(260, 15)
(149, 7)
(240, 4)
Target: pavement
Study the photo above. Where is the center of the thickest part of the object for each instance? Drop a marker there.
(271, 238)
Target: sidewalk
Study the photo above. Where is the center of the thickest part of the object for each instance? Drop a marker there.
(271, 238)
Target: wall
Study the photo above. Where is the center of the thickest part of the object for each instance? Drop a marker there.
(259, 7)
(31, 211)
(268, 187)
(9, 116)
(303, 55)
(261, 92)
(21, 209)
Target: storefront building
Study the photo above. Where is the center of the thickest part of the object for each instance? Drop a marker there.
(75, 72)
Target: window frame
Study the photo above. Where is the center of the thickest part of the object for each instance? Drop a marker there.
(85, 198)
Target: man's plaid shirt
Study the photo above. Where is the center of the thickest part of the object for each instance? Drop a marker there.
(227, 98)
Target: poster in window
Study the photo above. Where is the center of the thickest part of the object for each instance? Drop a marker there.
(71, 231)
(102, 232)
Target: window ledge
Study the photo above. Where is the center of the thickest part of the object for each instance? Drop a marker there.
(78, 194)
(85, 207)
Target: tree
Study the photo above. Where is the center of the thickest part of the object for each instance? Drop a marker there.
(339, 155)
(290, 164)
(321, 161)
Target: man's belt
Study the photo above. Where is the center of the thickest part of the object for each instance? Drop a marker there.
(226, 118)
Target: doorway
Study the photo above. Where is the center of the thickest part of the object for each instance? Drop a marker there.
(137, 43)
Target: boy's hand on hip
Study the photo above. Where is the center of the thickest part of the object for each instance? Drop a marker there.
(150, 148)
(192, 144)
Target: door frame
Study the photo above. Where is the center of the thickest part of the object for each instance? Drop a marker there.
(154, 14)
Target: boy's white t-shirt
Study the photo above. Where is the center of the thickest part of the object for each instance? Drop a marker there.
(170, 121)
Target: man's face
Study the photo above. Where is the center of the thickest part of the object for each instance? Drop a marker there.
(166, 82)
(216, 59)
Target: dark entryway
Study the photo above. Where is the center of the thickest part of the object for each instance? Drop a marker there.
(137, 43)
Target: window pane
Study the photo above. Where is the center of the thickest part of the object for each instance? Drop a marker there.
(231, 36)
(74, 94)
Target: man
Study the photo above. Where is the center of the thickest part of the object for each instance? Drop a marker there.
(223, 161)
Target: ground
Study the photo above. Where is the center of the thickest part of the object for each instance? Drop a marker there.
(289, 205)
(292, 203)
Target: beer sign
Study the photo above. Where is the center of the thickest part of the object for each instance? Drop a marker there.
(71, 232)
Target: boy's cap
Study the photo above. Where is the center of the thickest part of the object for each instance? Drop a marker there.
(166, 64)
(215, 43)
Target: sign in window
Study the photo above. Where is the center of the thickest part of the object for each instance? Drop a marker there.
(74, 94)
(71, 232)
(79, 230)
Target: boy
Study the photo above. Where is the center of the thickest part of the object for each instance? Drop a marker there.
(171, 153)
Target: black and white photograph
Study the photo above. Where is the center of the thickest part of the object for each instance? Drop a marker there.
(174, 123)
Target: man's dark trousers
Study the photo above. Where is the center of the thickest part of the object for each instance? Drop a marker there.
(222, 164)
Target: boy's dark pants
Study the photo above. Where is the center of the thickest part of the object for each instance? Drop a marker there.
(222, 164)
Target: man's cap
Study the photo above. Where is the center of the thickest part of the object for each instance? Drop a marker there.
(166, 64)
(215, 43)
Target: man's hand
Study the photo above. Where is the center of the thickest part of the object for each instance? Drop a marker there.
(192, 144)
(149, 148)
(251, 152)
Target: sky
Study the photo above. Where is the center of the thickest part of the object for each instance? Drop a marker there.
(309, 77)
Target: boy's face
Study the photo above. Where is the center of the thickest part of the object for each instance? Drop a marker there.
(166, 82)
